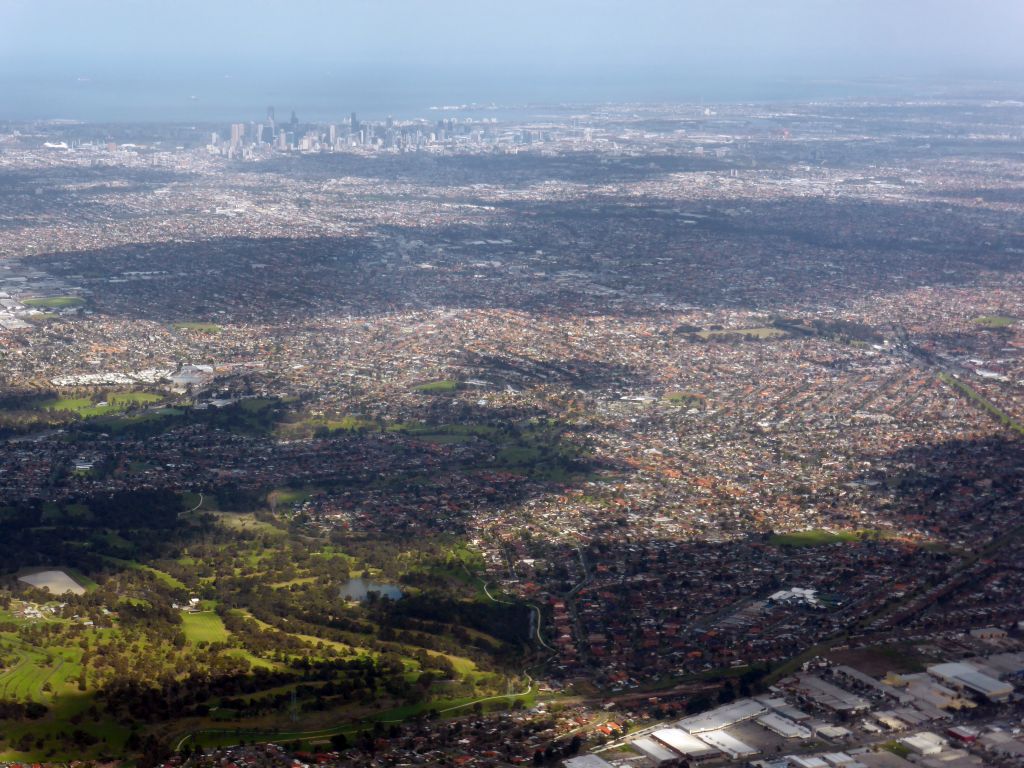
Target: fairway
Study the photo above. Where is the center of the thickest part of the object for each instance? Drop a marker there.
(205, 626)
(166, 578)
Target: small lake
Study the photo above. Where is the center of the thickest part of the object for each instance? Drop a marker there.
(358, 589)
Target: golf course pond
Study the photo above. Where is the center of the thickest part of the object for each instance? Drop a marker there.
(358, 589)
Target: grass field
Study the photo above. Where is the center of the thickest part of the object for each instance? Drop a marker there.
(444, 432)
(57, 668)
(879, 660)
(198, 326)
(814, 538)
(166, 578)
(446, 386)
(289, 496)
(116, 401)
(54, 302)
(994, 321)
(205, 626)
(765, 332)
(246, 521)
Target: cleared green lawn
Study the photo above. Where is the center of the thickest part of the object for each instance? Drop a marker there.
(54, 302)
(766, 332)
(814, 538)
(197, 326)
(289, 496)
(994, 321)
(246, 521)
(116, 401)
(25, 679)
(438, 387)
(206, 626)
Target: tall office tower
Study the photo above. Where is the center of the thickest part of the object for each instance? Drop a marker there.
(332, 134)
(282, 141)
(259, 133)
(295, 120)
(391, 122)
(354, 124)
(237, 133)
(270, 116)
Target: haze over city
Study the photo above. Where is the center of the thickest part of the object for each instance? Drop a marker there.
(116, 59)
(481, 385)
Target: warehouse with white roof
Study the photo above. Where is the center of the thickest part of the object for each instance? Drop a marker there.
(683, 743)
(966, 677)
(730, 745)
(723, 717)
(654, 751)
(783, 726)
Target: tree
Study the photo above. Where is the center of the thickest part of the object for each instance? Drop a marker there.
(727, 693)
(339, 741)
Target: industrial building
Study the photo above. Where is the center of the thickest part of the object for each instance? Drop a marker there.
(686, 745)
(730, 745)
(924, 743)
(586, 761)
(655, 751)
(723, 717)
(829, 696)
(966, 677)
(783, 726)
(781, 707)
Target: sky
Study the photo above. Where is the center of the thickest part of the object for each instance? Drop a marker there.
(153, 55)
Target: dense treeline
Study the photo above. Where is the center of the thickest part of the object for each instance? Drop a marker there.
(836, 328)
(434, 609)
(77, 533)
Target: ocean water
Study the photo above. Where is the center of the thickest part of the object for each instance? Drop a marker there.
(324, 97)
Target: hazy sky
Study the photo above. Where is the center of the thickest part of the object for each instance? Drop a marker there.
(563, 49)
